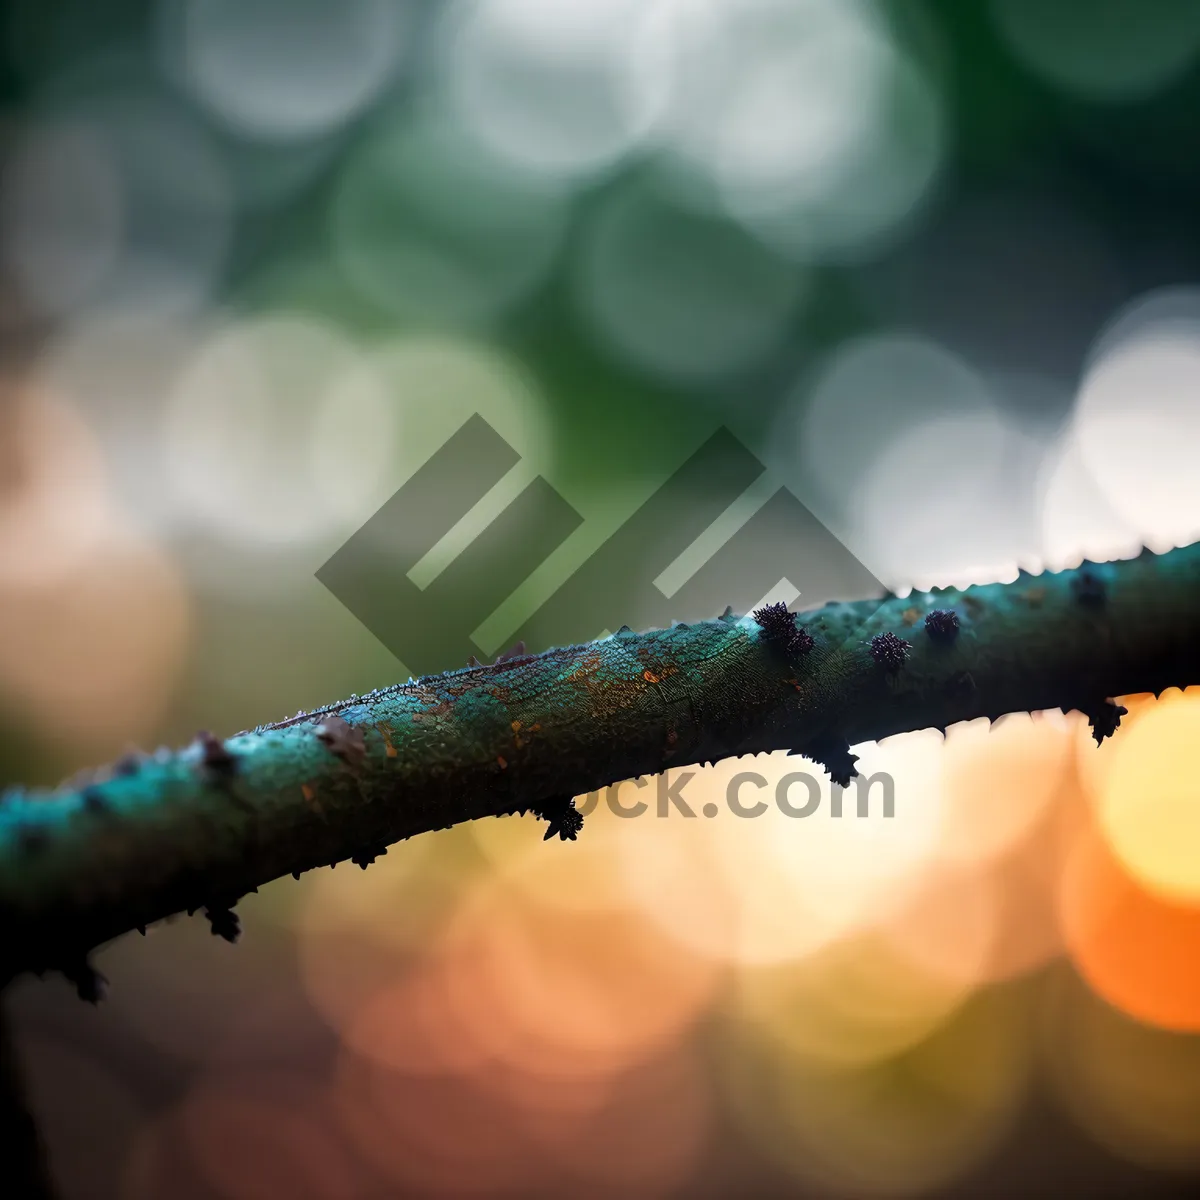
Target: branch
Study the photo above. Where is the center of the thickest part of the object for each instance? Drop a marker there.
(200, 827)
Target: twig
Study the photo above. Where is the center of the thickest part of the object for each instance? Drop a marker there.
(200, 827)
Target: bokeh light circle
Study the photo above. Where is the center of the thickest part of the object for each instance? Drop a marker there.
(1137, 423)
(1102, 50)
(282, 70)
(115, 197)
(237, 427)
(432, 225)
(549, 86)
(1148, 804)
(688, 298)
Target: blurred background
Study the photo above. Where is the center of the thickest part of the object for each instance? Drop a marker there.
(936, 263)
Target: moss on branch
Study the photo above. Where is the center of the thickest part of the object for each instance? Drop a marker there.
(200, 827)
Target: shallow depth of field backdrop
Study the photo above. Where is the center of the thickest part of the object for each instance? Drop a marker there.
(936, 263)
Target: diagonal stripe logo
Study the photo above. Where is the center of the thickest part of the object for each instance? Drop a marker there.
(777, 551)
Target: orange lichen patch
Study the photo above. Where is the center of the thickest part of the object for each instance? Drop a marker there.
(546, 989)
(1139, 952)
(1033, 596)
(310, 798)
(385, 731)
(589, 665)
(502, 761)
(910, 616)
(649, 677)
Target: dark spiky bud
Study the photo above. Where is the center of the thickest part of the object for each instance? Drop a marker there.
(224, 922)
(889, 651)
(942, 624)
(1105, 719)
(778, 624)
(834, 755)
(563, 817)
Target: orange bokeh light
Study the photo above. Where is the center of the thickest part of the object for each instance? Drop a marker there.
(1138, 951)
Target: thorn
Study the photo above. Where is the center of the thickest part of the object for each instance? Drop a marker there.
(127, 764)
(518, 651)
(1105, 719)
(90, 985)
(214, 757)
(366, 857)
(342, 739)
(727, 615)
(224, 922)
(296, 875)
(562, 815)
(834, 755)
(141, 929)
(474, 662)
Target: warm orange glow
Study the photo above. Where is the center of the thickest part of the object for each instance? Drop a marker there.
(856, 1002)
(1148, 800)
(1000, 779)
(409, 1026)
(442, 1135)
(1138, 951)
(262, 1136)
(901, 1127)
(543, 989)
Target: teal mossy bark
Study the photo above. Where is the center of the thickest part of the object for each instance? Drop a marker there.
(202, 826)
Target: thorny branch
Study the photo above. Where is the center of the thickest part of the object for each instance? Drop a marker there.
(200, 827)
